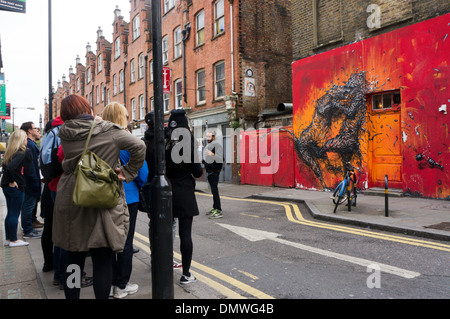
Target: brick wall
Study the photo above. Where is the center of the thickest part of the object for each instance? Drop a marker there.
(342, 22)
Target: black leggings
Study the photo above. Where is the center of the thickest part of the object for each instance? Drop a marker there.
(186, 246)
(102, 272)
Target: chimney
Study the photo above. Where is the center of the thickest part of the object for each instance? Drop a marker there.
(78, 61)
(99, 32)
(117, 12)
(88, 48)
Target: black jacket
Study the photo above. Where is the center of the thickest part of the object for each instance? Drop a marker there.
(15, 171)
(181, 177)
(213, 163)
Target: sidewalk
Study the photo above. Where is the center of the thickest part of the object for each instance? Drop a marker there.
(21, 275)
(426, 218)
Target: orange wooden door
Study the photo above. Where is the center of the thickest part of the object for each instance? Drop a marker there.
(386, 148)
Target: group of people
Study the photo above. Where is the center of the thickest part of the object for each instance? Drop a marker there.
(71, 232)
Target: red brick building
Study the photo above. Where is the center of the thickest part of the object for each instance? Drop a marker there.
(229, 61)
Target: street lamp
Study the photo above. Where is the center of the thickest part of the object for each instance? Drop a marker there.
(19, 108)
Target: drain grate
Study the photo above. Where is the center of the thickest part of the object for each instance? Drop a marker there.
(441, 226)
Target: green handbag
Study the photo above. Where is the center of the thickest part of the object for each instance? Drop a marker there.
(97, 184)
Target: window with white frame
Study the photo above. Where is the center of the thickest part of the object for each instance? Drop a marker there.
(108, 96)
(201, 86)
(152, 104)
(133, 109)
(219, 78)
(177, 43)
(78, 84)
(151, 71)
(166, 103)
(98, 94)
(141, 66)
(168, 4)
(219, 19)
(136, 27)
(200, 28)
(88, 75)
(132, 71)
(99, 63)
(178, 94)
(117, 48)
(141, 107)
(165, 50)
(121, 81)
(115, 84)
(103, 92)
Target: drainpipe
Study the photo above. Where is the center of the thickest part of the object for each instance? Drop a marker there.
(232, 47)
(186, 33)
(146, 84)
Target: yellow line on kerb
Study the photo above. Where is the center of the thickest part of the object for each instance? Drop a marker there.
(213, 284)
(299, 219)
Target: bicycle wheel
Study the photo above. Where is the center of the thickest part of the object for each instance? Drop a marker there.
(339, 195)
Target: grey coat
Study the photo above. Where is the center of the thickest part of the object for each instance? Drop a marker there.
(78, 228)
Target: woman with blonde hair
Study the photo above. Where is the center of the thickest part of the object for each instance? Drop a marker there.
(15, 165)
(123, 262)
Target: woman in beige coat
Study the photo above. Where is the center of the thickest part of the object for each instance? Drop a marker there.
(99, 231)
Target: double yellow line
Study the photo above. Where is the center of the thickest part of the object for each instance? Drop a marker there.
(294, 215)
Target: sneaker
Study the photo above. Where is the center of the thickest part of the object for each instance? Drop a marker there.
(210, 212)
(128, 290)
(18, 243)
(217, 213)
(184, 280)
(6, 243)
(111, 292)
(33, 234)
(176, 265)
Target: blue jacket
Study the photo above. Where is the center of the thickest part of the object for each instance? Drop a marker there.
(33, 179)
(132, 188)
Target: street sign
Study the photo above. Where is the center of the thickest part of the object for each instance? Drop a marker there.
(13, 5)
(166, 80)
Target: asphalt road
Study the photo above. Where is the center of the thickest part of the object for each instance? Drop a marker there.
(264, 250)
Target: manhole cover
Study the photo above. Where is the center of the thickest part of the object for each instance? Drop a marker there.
(441, 226)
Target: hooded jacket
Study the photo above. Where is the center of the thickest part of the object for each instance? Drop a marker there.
(79, 228)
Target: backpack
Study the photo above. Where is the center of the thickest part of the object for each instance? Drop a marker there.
(48, 157)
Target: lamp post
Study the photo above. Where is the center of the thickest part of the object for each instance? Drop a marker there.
(161, 191)
(19, 108)
(50, 88)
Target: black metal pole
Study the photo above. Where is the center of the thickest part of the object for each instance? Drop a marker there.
(161, 191)
(386, 196)
(50, 90)
(146, 84)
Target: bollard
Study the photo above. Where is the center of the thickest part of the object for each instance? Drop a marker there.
(386, 197)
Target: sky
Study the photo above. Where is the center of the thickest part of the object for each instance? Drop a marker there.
(24, 46)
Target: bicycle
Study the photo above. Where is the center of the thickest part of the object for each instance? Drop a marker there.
(344, 190)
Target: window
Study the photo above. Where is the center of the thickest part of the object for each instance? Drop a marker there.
(168, 4)
(178, 94)
(102, 87)
(115, 84)
(219, 20)
(133, 109)
(98, 94)
(385, 100)
(109, 96)
(133, 72)
(141, 66)
(121, 81)
(88, 73)
(99, 63)
(152, 104)
(141, 107)
(78, 84)
(117, 48)
(201, 86)
(200, 28)
(165, 50)
(151, 71)
(166, 103)
(177, 43)
(219, 75)
(136, 27)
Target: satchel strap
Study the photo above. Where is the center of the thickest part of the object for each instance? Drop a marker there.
(89, 138)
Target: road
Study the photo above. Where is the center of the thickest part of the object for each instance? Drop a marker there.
(264, 250)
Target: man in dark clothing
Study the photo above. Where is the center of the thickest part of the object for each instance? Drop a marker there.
(33, 181)
(213, 164)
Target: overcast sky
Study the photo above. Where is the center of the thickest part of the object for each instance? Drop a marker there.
(24, 45)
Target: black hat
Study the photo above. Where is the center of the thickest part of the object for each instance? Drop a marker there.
(178, 119)
(149, 120)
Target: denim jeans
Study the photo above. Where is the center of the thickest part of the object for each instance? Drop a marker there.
(213, 179)
(14, 201)
(122, 263)
(27, 213)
